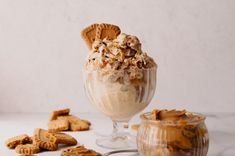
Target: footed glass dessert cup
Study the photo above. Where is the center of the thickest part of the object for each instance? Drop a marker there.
(120, 99)
(164, 138)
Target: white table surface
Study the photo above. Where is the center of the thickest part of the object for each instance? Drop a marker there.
(221, 130)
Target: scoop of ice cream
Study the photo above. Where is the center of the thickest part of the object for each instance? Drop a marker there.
(118, 57)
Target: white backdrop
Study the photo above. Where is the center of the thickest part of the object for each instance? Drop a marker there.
(42, 53)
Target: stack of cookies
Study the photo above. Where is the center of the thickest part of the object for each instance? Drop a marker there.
(61, 120)
(49, 139)
(41, 140)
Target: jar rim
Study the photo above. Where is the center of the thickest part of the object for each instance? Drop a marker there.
(144, 118)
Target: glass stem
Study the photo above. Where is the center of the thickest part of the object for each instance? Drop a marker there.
(120, 130)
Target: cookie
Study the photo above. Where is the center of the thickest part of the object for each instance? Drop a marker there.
(17, 140)
(135, 127)
(45, 140)
(88, 34)
(108, 31)
(63, 138)
(88, 122)
(58, 125)
(79, 151)
(57, 113)
(70, 118)
(27, 149)
(30, 140)
(75, 123)
(79, 126)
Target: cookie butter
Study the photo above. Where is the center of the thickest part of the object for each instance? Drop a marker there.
(124, 75)
(172, 133)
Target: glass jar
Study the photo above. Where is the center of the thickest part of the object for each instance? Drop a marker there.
(164, 138)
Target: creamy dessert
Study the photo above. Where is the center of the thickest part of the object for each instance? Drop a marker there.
(121, 59)
(120, 77)
(172, 133)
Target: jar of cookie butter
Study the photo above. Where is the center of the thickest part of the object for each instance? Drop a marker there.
(172, 133)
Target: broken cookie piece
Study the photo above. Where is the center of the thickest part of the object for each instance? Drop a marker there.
(58, 125)
(57, 113)
(18, 140)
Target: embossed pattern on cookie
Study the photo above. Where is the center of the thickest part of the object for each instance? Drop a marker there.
(108, 31)
(88, 34)
(27, 149)
(17, 140)
(45, 140)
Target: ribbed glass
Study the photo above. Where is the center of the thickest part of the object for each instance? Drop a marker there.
(161, 138)
(120, 99)
(120, 95)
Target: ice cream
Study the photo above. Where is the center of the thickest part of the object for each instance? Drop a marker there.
(119, 59)
(120, 77)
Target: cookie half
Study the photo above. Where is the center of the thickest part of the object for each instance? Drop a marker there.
(88, 34)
